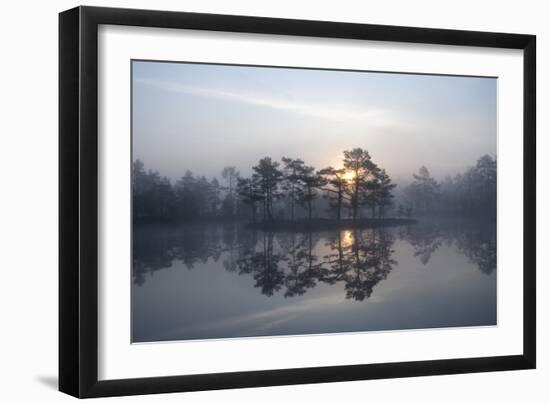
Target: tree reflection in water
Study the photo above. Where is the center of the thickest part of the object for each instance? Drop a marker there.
(475, 239)
(293, 263)
(360, 259)
(262, 262)
(303, 266)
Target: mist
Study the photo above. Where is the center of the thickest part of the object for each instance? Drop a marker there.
(273, 201)
(202, 117)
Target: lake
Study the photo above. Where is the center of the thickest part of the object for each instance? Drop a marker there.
(225, 280)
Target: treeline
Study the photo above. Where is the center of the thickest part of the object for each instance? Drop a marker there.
(277, 190)
(290, 190)
(471, 192)
(156, 198)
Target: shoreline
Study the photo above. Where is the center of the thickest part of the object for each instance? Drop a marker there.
(329, 224)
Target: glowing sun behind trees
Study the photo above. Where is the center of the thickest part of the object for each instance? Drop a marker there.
(260, 211)
(348, 176)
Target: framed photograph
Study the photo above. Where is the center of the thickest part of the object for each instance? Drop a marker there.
(250, 201)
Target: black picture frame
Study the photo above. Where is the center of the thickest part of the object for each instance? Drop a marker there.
(78, 201)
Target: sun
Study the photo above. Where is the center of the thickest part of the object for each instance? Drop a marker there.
(348, 176)
(346, 238)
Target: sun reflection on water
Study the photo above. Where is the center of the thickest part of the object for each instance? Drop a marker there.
(346, 237)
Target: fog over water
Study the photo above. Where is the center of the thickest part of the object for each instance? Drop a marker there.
(276, 201)
(217, 281)
(203, 117)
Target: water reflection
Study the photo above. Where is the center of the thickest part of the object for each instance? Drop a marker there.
(360, 259)
(293, 263)
(475, 239)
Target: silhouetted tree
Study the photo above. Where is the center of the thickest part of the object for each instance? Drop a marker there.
(292, 169)
(359, 183)
(187, 197)
(384, 192)
(203, 195)
(267, 176)
(231, 176)
(152, 196)
(423, 192)
(479, 186)
(309, 181)
(250, 194)
(337, 188)
(471, 192)
(214, 196)
(362, 184)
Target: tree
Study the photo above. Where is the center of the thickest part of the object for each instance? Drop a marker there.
(202, 194)
(336, 191)
(369, 194)
(384, 194)
(267, 175)
(250, 194)
(291, 181)
(214, 196)
(473, 191)
(152, 195)
(362, 170)
(485, 183)
(187, 197)
(139, 189)
(358, 183)
(231, 175)
(309, 181)
(424, 191)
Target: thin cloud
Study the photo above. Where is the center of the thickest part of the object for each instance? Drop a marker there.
(333, 112)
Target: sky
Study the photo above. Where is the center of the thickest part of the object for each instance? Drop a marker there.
(203, 117)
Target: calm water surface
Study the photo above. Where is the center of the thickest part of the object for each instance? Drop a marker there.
(222, 281)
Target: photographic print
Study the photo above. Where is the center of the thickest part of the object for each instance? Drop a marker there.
(276, 201)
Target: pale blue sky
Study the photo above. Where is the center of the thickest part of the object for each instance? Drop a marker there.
(203, 117)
